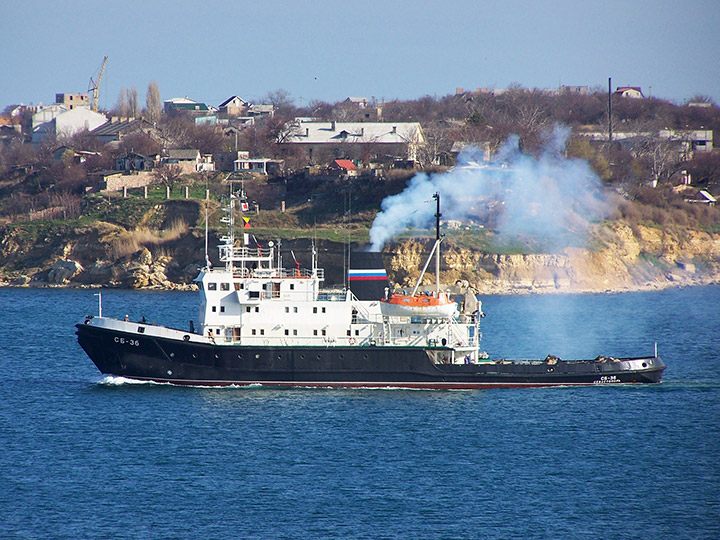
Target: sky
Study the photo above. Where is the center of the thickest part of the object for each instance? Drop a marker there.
(329, 50)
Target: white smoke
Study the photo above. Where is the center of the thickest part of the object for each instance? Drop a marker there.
(547, 197)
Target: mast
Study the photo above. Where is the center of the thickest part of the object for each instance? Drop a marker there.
(436, 196)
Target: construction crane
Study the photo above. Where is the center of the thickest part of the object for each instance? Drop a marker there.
(94, 87)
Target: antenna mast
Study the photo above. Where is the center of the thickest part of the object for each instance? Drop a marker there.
(436, 196)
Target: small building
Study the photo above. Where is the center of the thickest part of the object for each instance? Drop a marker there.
(702, 197)
(264, 166)
(233, 106)
(119, 127)
(369, 141)
(190, 160)
(73, 100)
(135, 162)
(633, 92)
(344, 167)
(582, 90)
(68, 123)
(261, 110)
(359, 102)
(184, 104)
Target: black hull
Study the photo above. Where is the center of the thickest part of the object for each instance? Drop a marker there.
(150, 358)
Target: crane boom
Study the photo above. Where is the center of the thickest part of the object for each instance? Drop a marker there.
(95, 86)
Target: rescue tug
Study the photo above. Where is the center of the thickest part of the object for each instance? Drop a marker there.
(260, 323)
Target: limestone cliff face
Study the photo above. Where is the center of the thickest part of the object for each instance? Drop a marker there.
(652, 259)
(622, 258)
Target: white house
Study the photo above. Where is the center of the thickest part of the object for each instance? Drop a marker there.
(68, 123)
(399, 139)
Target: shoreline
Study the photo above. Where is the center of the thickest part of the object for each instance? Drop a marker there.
(492, 289)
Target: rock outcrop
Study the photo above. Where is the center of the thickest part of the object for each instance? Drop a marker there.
(622, 258)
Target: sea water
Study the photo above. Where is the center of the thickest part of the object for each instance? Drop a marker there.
(86, 456)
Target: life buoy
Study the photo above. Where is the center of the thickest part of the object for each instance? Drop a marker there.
(351, 341)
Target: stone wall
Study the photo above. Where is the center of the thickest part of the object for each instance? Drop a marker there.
(135, 180)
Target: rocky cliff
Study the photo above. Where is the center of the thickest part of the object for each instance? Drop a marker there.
(647, 258)
(104, 254)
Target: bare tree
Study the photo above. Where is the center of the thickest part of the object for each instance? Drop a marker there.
(133, 105)
(168, 174)
(121, 107)
(153, 105)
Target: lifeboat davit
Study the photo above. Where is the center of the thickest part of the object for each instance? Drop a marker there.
(438, 305)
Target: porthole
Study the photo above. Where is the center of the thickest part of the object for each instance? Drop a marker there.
(644, 364)
(257, 356)
(169, 372)
(217, 357)
(172, 355)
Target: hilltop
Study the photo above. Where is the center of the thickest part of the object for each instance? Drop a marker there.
(77, 210)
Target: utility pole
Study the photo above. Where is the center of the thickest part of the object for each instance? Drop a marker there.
(610, 109)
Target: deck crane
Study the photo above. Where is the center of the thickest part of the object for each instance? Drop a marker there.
(95, 86)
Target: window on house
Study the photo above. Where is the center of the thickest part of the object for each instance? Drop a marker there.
(295, 309)
(323, 331)
(247, 309)
(348, 332)
(257, 309)
(357, 332)
(323, 310)
(314, 332)
(224, 286)
(287, 309)
(262, 331)
(292, 286)
(314, 310)
(212, 286)
(222, 309)
(214, 308)
(253, 331)
(294, 332)
(287, 332)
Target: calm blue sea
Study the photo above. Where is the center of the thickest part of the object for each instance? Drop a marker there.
(83, 457)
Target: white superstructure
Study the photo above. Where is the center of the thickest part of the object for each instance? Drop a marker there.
(253, 300)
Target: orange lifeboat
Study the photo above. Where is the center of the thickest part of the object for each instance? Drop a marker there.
(418, 305)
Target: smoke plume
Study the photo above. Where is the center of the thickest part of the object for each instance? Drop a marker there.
(548, 197)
